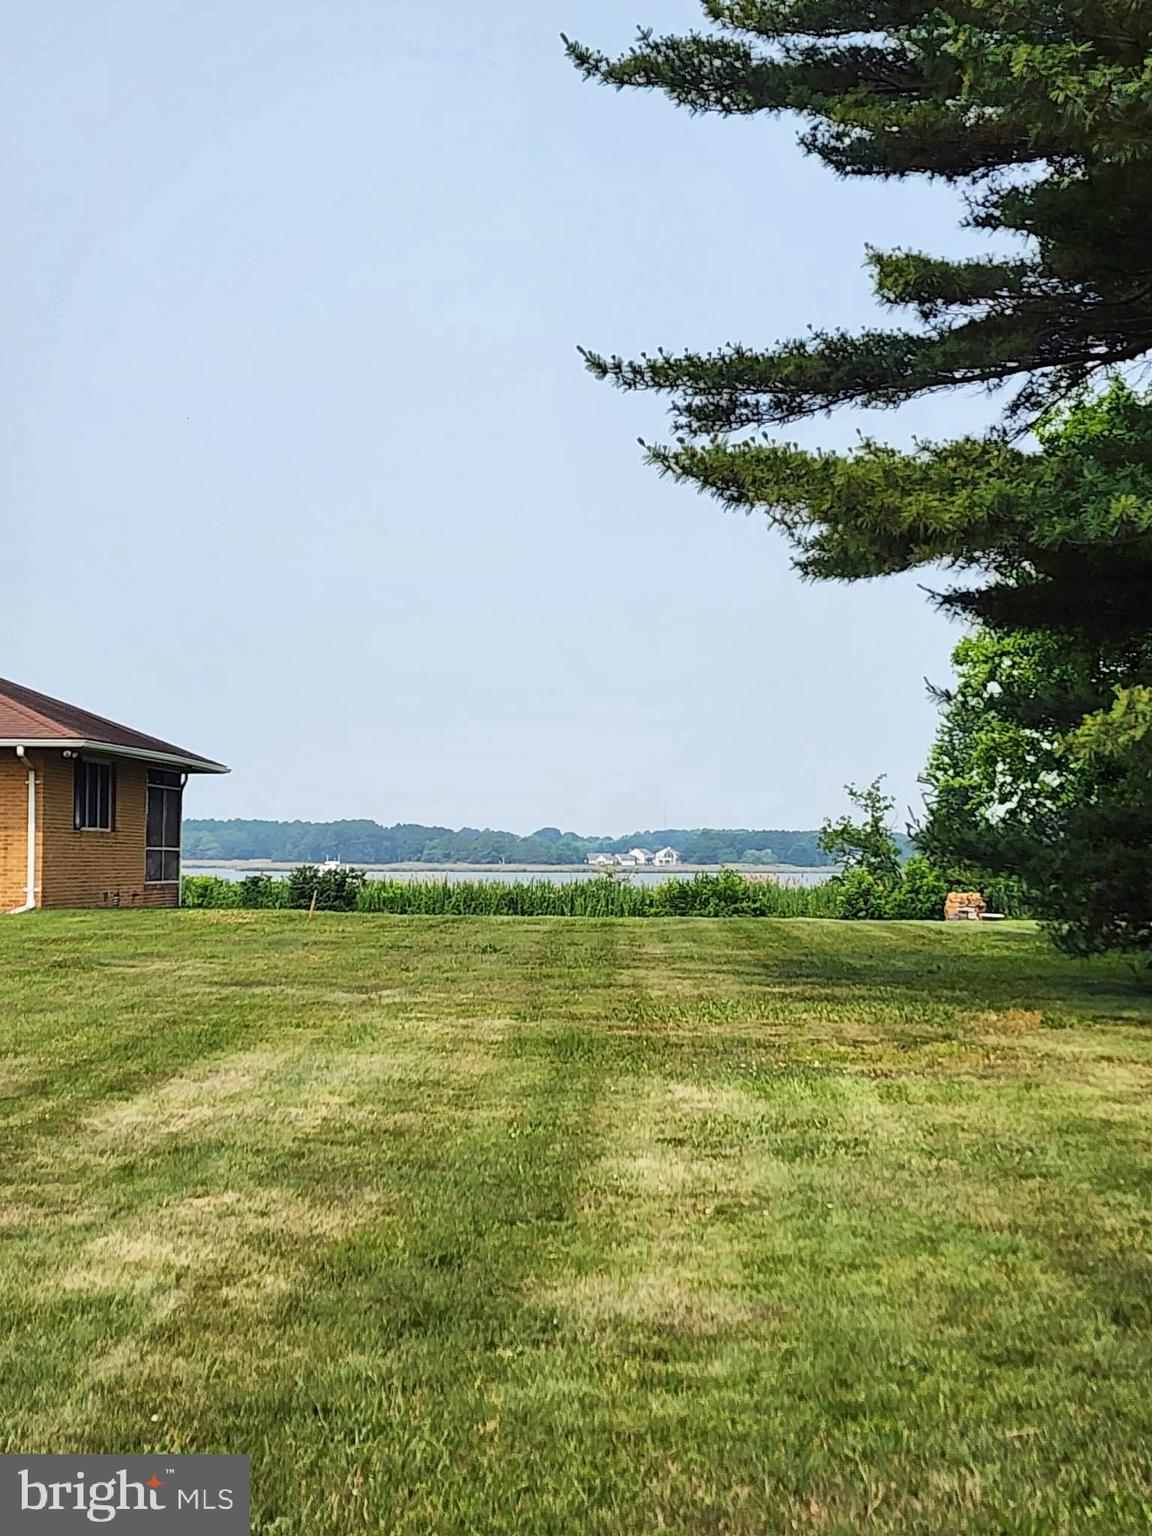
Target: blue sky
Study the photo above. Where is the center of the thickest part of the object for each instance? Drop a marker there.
(301, 468)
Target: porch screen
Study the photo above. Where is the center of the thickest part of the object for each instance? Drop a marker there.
(162, 856)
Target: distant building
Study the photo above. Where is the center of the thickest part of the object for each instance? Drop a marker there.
(666, 858)
(602, 860)
(638, 856)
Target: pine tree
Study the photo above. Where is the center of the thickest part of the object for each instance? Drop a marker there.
(1041, 112)
(1053, 538)
(974, 94)
(968, 93)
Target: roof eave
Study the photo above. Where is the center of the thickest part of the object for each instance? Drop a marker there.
(140, 754)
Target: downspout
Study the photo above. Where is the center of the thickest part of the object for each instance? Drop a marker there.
(30, 878)
(180, 870)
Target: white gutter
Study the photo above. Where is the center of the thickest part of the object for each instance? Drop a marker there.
(30, 878)
(172, 759)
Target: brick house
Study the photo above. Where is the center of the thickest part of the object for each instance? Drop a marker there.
(90, 811)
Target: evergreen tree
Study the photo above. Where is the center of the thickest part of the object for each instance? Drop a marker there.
(972, 93)
(1056, 539)
(967, 92)
(1041, 112)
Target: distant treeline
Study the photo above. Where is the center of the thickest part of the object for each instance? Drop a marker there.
(367, 842)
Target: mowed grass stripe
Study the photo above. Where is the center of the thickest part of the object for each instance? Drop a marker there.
(389, 1173)
(551, 1225)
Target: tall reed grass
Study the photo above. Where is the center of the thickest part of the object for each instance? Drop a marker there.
(704, 895)
(920, 894)
(726, 894)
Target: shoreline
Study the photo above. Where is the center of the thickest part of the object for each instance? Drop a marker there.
(255, 866)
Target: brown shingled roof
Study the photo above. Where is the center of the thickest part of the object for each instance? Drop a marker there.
(28, 717)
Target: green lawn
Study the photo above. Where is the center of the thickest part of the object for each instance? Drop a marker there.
(473, 1226)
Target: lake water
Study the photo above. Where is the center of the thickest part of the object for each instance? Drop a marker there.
(513, 876)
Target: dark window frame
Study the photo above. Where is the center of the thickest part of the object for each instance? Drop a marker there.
(94, 795)
(163, 817)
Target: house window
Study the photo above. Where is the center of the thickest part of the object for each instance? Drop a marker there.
(95, 796)
(162, 854)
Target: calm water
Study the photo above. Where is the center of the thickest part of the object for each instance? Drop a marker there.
(516, 876)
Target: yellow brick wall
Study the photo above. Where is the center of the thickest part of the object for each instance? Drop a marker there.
(13, 830)
(95, 869)
(74, 869)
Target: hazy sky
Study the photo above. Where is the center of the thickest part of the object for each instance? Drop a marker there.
(301, 467)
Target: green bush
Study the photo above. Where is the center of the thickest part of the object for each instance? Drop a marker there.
(336, 890)
(726, 894)
(921, 892)
(263, 891)
(859, 895)
(729, 894)
(332, 890)
(1009, 896)
(208, 891)
(918, 895)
